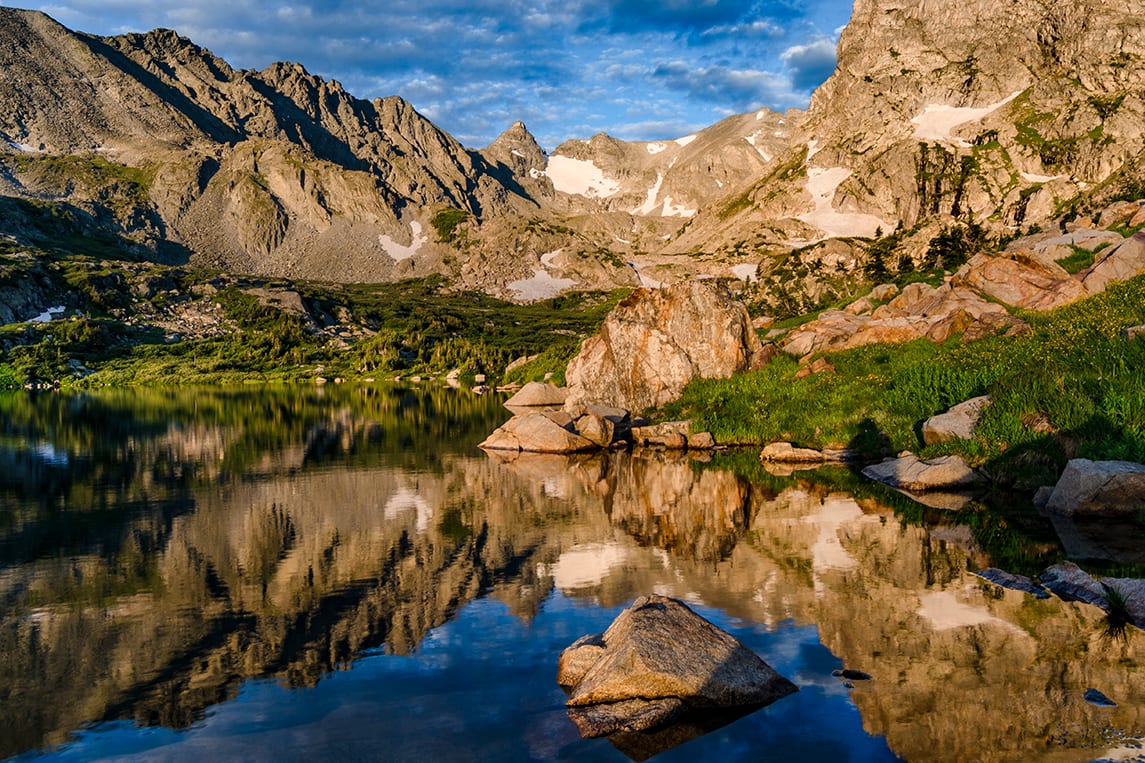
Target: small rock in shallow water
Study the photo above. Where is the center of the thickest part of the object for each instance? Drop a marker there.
(851, 675)
(1094, 697)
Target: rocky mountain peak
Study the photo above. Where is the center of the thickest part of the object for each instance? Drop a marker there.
(518, 150)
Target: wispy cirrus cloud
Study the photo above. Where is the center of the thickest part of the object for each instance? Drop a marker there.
(568, 68)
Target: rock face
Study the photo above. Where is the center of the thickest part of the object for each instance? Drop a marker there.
(911, 474)
(1029, 285)
(956, 424)
(1099, 488)
(657, 660)
(656, 341)
(1121, 262)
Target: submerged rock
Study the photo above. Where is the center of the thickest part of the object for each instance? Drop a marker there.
(1013, 582)
(1071, 583)
(1094, 697)
(657, 661)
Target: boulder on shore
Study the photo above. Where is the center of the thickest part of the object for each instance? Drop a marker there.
(1099, 488)
(657, 661)
(657, 340)
(536, 394)
(786, 453)
(909, 473)
(549, 432)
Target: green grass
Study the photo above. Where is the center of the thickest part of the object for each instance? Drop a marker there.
(406, 328)
(1078, 261)
(1073, 370)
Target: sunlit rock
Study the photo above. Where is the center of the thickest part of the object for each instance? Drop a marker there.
(910, 473)
(1099, 488)
(958, 423)
(535, 394)
(659, 659)
(549, 432)
(656, 341)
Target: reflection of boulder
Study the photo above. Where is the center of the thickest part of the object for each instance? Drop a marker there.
(1112, 538)
(662, 500)
(657, 660)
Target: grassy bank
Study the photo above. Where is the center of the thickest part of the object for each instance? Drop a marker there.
(1074, 386)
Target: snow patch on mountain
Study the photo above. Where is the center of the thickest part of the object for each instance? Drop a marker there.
(1030, 177)
(401, 251)
(746, 272)
(822, 183)
(581, 177)
(685, 140)
(541, 286)
(656, 148)
(937, 121)
(762, 152)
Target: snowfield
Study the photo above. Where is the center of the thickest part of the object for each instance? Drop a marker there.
(540, 286)
(581, 177)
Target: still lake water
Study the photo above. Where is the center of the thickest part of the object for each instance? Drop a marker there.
(340, 574)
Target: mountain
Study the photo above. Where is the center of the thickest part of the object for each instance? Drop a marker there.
(1001, 115)
(264, 172)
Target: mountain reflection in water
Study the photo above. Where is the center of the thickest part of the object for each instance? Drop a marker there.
(317, 573)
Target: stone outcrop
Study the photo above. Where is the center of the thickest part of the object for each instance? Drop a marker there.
(909, 473)
(1119, 263)
(1099, 488)
(1032, 285)
(1013, 582)
(1071, 583)
(656, 661)
(958, 423)
(919, 311)
(656, 341)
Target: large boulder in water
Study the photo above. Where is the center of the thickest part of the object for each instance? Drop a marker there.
(656, 662)
(657, 340)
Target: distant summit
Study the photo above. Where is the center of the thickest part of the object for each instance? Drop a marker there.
(1004, 116)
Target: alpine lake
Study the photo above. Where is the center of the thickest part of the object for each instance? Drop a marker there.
(339, 573)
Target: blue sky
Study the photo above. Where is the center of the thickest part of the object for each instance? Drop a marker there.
(635, 69)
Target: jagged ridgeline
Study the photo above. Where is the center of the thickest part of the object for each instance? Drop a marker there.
(1001, 115)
